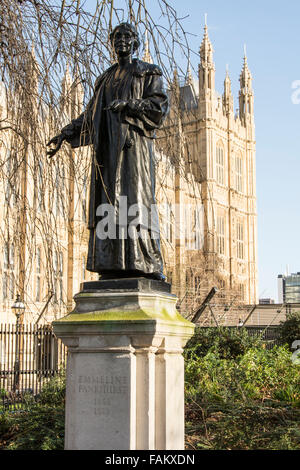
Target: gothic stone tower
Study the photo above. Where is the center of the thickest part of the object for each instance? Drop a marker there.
(221, 153)
(225, 163)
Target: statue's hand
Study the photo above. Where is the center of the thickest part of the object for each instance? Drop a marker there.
(136, 107)
(117, 106)
(57, 141)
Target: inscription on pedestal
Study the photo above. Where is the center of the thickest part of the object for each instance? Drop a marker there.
(103, 388)
(101, 402)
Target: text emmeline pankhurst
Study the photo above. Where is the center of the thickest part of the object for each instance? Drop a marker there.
(103, 384)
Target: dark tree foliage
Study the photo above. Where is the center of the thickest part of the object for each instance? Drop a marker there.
(290, 329)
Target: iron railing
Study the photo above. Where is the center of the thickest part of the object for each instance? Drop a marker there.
(29, 356)
(268, 334)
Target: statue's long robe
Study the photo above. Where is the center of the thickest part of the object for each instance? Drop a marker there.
(123, 162)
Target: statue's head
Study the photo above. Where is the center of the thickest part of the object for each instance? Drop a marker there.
(125, 38)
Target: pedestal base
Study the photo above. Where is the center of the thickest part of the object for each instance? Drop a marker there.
(125, 370)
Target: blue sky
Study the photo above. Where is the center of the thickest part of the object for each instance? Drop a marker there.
(271, 31)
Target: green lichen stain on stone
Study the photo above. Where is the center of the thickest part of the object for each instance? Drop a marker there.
(123, 316)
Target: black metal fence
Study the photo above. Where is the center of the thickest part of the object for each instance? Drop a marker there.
(268, 334)
(29, 356)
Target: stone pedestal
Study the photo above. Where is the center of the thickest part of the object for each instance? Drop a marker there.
(125, 370)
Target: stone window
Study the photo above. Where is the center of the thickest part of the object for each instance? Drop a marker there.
(58, 276)
(83, 200)
(40, 189)
(8, 276)
(221, 235)
(8, 188)
(241, 289)
(83, 267)
(168, 223)
(38, 273)
(239, 186)
(220, 165)
(197, 283)
(222, 288)
(199, 235)
(193, 227)
(240, 240)
(188, 225)
(59, 191)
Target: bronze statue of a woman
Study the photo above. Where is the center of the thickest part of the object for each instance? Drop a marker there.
(129, 104)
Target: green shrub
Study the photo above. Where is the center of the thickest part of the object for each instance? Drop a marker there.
(257, 375)
(289, 330)
(41, 426)
(250, 402)
(227, 343)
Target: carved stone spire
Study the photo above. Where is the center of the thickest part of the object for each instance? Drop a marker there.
(246, 77)
(77, 92)
(246, 95)
(66, 94)
(206, 67)
(227, 96)
(33, 71)
(147, 55)
(66, 83)
(206, 50)
(189, 77)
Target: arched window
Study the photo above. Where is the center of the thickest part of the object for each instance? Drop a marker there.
(187, 220)
(83, 268)
(11, 179)
(38, 271)
(239, 173)
(83, 200)
(221, 235)
(199, 231)
(241, 289)
(59, 191)
(197, 283)
(8, 188)
(240, 239)
(168, 223)
(40, 188)
(8, 273)
(58, 276)
(220, 165)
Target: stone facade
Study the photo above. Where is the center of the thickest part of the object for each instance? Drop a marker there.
(220, 155)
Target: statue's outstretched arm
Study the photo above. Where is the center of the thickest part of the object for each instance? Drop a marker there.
(57, 141)
(73, 131)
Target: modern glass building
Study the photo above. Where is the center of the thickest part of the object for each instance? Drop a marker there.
(289, 288)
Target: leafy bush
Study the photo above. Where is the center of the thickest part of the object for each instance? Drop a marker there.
(257, 375)
(290, 329)
(250, 402)
(227, 343)
(41, 426)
